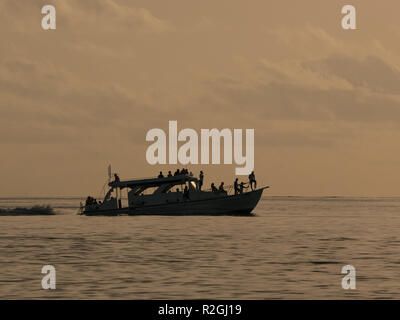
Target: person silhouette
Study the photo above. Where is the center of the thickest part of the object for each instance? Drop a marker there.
(160, 175)
(88, 201)
(236, 186)
(213, 188)
(252, 179)
(221, 188)
(169, 174)
(201, 178)
(186, 193)
(242, 187)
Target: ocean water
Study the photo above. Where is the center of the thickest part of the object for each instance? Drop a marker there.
(293, 248)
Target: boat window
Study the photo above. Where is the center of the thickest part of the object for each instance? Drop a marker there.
(150, 190)
(144, 190)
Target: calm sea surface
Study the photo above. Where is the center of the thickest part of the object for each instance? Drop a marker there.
(293, 248)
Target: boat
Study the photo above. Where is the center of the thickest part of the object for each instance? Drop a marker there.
(166, 198)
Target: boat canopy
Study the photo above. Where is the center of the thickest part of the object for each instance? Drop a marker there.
(153, 182)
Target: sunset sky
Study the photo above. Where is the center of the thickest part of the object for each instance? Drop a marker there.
(324, 102)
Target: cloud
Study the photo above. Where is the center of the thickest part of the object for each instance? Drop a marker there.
(283, 99)
(333, 94)
(114, 69)
(41, 102)
(371, 72)
(108, 16)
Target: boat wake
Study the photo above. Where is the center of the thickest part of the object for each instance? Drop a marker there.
(28, 211)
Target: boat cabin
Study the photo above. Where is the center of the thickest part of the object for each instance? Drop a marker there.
(162, 190)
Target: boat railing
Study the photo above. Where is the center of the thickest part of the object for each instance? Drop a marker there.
(229, 189)
(152, 177)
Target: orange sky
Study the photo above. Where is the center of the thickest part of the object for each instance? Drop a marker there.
(324, 102)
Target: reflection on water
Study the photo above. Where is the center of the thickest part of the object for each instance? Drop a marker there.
(293, 248)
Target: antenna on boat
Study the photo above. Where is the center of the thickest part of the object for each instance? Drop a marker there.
(103, 189)
(109, 172)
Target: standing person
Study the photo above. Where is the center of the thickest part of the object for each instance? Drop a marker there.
(252, 179)
(236, 186)
(201, 178)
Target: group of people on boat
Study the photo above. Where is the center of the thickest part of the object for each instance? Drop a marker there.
(176, 173)
(220, 188)
(90, 200)
(239, 187)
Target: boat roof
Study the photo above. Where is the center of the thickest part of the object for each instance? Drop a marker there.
(152, 182)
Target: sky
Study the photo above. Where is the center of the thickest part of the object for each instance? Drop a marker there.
(324, 102)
